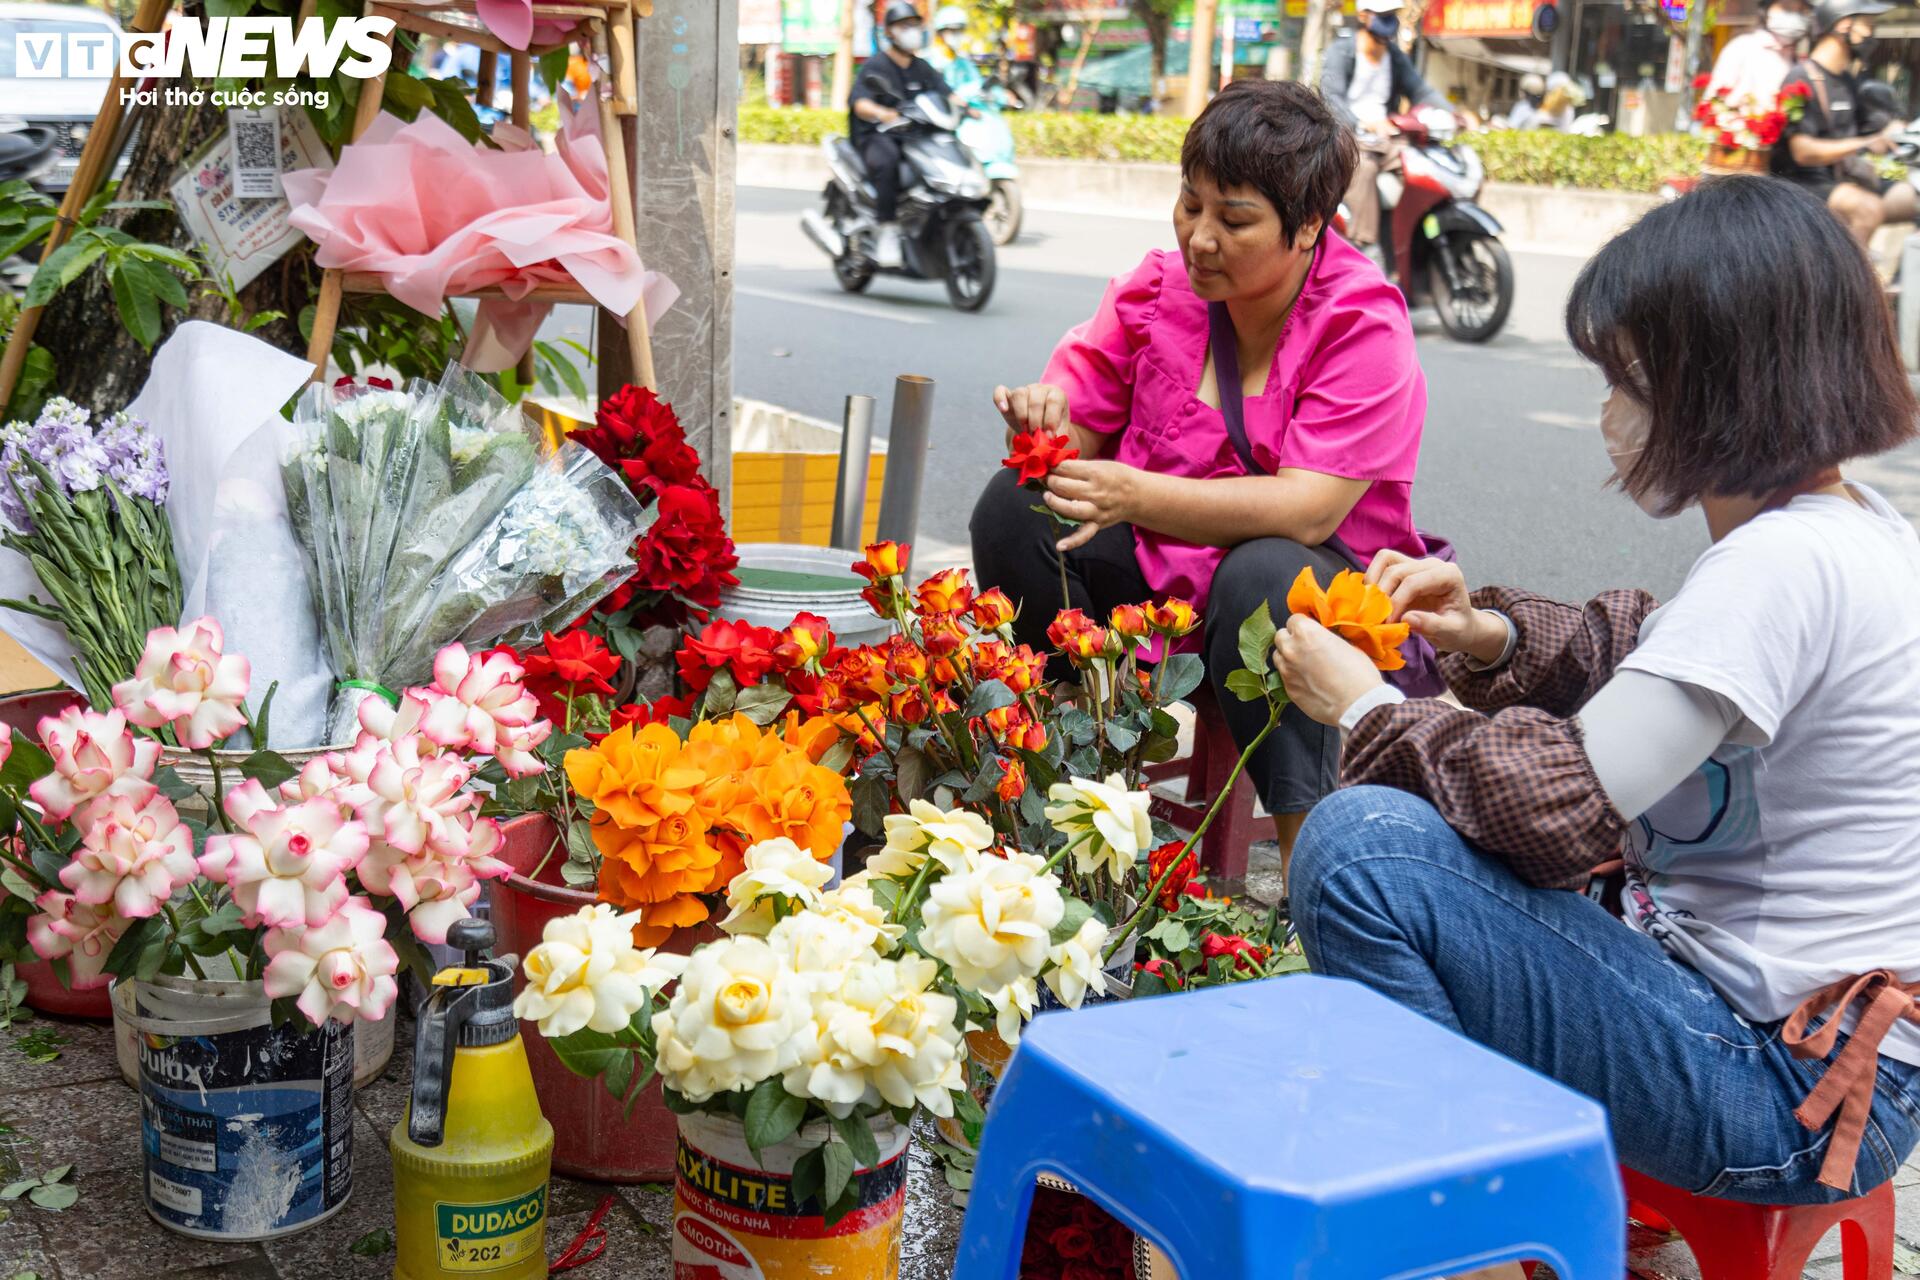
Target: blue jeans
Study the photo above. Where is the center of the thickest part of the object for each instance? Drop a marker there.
(1385, 892)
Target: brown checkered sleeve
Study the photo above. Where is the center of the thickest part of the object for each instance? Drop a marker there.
(1511, 774)
(1565, 652)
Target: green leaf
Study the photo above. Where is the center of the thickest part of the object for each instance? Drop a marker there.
(837, 1161)
(870, 800)
(372, 1244)
(773, 1116)
(720, 694)
(553, 69)
(988, 695)
(139, 302)
(268, 768)
(1076, 914)
(1121, 737)
(56, 1174)
(1180, 675)
(618, 1077)
(62, 269)
(261, 721)
(588, 1053)
(27, 764)
(858, 1135)
(14, 1190)
(913, 771)
(1077, 726)
(1256, 640)
(762, 703)
(1246, 686)
(809, 1174)
(54, 1198)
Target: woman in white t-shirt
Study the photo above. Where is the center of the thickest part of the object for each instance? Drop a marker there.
(1751, 747)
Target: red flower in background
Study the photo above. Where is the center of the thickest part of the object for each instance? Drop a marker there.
(1013, 783)
(626, 423)
(1160, 968)
(567, 666)
(1245, 954)
(741, 647)
(1159, 860)
(1036, 453)
(687, 551)
(638, 714)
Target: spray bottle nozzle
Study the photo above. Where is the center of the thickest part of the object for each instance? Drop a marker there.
(472, 936)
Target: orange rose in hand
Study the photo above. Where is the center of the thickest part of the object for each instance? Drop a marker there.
(1356, 611)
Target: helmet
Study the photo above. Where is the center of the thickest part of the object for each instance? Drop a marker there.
(900, 11)
(1533, 82)
(949, 17)
(1830, 13)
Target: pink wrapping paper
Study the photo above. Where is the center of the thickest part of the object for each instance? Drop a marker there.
(438, 216)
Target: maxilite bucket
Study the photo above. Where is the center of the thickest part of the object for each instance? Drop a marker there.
(734, 1217)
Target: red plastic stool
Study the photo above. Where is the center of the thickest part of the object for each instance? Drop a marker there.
(1735, 1241)
(1223, 850)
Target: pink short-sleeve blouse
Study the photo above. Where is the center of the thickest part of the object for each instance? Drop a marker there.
(1345, 397)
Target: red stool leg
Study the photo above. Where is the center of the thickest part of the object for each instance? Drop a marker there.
(1866, 1237)
(1223, 851)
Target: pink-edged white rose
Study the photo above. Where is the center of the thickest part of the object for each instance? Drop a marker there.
(342, 969)
(320, 776)
(94, 757)
(437, 884)
(184, 680)
(387, 723)
(290, 864)
(131, 856)
(412, 796)
(82, 934)
(481, 704)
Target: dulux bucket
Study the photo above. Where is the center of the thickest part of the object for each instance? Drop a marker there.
(246, 1128)
(780, 579)
(735, 1216)
(372, 1041)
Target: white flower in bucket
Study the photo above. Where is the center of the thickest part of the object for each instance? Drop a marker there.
(882, 1036)
(94, 758)
(185, 682)
(926, 831)
(780, 879)
(735, 1021)
(1077, 963)
(342, 970)
(991, 921)
(132, 857)
(1107, 824)
(586, 972)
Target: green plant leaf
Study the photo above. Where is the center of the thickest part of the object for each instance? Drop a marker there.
(858, 1135)
(372, 1244)
(61, 269)
(268, 768)
(988, 695)
(1076, 914)
(56, 1174)
(773, 1115)
(837, 1161)
(588, 1053)
(27, 764)
(1256, 639)
(14, 1190)
(54, 1198)
(137, 299)
(1121, 737)
(1246, 686)
(762, 703)
(809, 1174)
(721, 691)
(1180, 675)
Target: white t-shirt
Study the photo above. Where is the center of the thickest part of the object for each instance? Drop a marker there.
(1368, 90)
(1791, 858)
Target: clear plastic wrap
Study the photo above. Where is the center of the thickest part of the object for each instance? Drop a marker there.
(415, 509)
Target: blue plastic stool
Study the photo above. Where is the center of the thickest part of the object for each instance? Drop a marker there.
(1296, 1127)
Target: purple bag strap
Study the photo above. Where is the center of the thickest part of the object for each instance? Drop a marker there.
(1421, 677)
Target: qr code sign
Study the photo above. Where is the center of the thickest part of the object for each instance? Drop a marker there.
(256, 153)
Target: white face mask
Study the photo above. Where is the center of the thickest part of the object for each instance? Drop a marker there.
(1625, 425)
(909, 40)
(1788, 27)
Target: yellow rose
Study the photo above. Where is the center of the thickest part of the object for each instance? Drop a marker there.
(882, 1034)
(989, 920)
(586, 972)
(735, 1020)
(776, 869)
(925, 830)
(1106, 824)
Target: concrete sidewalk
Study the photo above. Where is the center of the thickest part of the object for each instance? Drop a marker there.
(76, 1110)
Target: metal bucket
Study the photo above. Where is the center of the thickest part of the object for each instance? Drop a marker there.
(246, 1129)
(779, 580)
(372, 1041)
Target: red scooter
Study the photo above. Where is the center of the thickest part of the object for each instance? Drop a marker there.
(1440, 246)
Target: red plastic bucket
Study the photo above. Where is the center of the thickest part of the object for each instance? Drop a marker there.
(593, 1136)
(22, 712)
(46, 993)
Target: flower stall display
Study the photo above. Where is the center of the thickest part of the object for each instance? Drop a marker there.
(1740, 131)
(431, 516)
(84, 504)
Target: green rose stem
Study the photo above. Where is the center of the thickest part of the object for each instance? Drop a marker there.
(906, 904)
(219, 790)
(185, 954)
(1274, 707)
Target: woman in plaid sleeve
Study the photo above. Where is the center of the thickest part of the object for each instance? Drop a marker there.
(1750, 748)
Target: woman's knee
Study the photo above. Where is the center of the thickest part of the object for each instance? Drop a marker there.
(1253, 572)
(1358, 824)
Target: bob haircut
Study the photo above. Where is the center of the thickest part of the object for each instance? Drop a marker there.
(1279, 138)
(1752, 329)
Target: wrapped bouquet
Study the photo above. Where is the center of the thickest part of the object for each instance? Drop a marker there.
(434, 514)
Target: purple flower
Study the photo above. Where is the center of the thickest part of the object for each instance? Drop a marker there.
(137, 461)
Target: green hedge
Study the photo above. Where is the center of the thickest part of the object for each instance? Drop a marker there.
(1611, 163)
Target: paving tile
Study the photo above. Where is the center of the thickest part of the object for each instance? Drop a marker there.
(95, 1126)
(136, 1247)
(22, 1248)
(87, 1056)
(254, 1268)
(637, 1245)
(323, 1251)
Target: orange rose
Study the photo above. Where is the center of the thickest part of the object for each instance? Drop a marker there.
(635, 776)
(946, 592)
(798, 799)
(863, 674)
(1013, 783)
(942, 633)
(802, 643)
(1356, 611)
(883, 560)
(817, 735)
(1024, 670)
(906, 661)
(992, 610)
(1130, 621)
(659, 920)
(1172, 617)
(987, 657)
(1013, 727)
(909, 706)
(1078, 636)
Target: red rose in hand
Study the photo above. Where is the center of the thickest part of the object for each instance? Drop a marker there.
(1157, 863)
(745, 649)
(1245, 954)
(1036, 453)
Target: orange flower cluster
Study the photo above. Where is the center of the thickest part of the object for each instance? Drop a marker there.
(1356, 611)
(673, 819)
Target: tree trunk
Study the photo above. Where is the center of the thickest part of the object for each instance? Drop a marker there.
(843, 57)
(1156, 24)
(1313, 39)
(1200, 57)
(96, 361)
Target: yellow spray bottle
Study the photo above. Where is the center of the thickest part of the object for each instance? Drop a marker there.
(472, 1156)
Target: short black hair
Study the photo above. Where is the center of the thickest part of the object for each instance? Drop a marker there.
(1750, 325)
(1278, 137)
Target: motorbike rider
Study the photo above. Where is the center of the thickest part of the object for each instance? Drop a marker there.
(1753, 66)
(907, 75)
(949, 57)
(1526, 112)
(1826, 149)
(1366, 79)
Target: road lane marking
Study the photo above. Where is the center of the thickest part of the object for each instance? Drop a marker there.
(872, 311)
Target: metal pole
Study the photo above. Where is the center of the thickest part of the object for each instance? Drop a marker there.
(906, 457)
(1696, 36)
(850, 494)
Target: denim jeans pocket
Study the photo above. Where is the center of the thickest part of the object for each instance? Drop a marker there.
(1796, 1178)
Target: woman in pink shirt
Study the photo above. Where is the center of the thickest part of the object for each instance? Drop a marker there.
(1332, 399)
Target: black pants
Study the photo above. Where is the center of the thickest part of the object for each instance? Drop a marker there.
(1013, 550)
(880, 152)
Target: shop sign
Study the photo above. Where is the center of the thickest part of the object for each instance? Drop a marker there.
(1509, 19)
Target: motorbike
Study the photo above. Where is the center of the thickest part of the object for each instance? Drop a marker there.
(1439, 246)
(27, 151)
(987, 136)
(943, 194)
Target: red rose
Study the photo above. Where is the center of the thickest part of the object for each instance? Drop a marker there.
(1112, 1256)
(743, 648)
(1071, 1241)
(1086, 1271)
(1159, 860)
(638, 714)
(1701, 81)
(942, 633)
(1076, 635)
(626, 423)
(817, 695)
(1161, 968)
(1036, 453)
(862, 673)
(1245, 954)
(384, 384)
(687, 551)
(567, 666)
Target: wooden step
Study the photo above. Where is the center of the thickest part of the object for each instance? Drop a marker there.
(374, 282)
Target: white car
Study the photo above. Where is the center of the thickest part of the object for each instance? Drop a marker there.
(66, 105)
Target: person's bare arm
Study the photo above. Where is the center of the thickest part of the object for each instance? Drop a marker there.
(874, 113)
(1306, 506)
(1814, 152)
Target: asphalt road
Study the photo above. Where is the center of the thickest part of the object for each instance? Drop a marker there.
(1511, 464)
